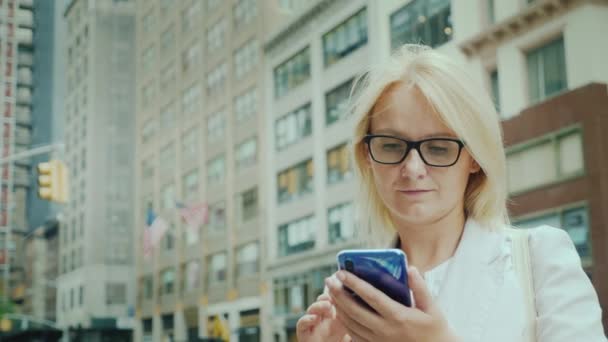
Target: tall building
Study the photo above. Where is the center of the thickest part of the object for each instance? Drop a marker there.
(201, 139)
(95, 287)
(45, 93)
(537, 58)
(17, 62)
(312, 62)
(41, 264)
(548, 76)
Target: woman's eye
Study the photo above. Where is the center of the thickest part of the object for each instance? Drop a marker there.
(391, 147)
(438, 149)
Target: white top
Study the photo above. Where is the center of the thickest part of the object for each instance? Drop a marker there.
(434, 277)
(480, 294)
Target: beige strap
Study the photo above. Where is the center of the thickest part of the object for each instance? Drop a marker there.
(523, 269)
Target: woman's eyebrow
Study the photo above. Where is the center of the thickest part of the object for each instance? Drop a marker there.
(392, 132)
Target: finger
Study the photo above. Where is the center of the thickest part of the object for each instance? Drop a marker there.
(356, 338)
(345, 302)
(323, 309)
(355, 329)
(324, 297)
(383, 304)
(424, 300)
(306, 323)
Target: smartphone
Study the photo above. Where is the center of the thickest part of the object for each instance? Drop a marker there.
(385, 269)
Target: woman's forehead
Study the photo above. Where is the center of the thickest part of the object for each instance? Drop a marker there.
(405, 111)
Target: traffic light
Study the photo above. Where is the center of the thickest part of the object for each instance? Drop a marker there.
(53, 181)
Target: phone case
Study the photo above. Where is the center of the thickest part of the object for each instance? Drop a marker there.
(385, 269)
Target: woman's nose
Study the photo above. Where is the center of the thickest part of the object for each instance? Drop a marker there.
(413, 166)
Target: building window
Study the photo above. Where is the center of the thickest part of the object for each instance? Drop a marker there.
(191, 57)
(345, 38)
(245, 105)
(216, 126)
(575, 221)
(167, 116)
(191, 99)
(147, 22)
(245, 59)
(215, 170)
(191, 276)
(190, 145)
(148, 131)
(338, 164)
(491, 12)
(336, 101)
(494, 88)
(217, 216)
(340, 223)
(167, 77)
(167, 41)
(168, 193)
(167, 160)
(216, 79)
(547, 70)
(217, 268)
(147, 94)
(246, 154)
(297, 236)
(292, 73)
(190, 15)
(216, 35)
(165, 5)
(295, 181)
(293, 127)
(147, 60)
(168, 240)
(212, 4)
(248, 204)
(81, 296)
(116, 293)
(190, 184)
(74, 261)
(247, 259)
(147, 169)
(147, 287)
(422, 21)
(550, 159)
(244, 12)
(168, 280)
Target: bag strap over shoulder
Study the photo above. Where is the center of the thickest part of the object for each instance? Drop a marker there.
(523, 268)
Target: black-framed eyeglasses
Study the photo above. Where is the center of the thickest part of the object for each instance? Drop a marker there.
(437, 152)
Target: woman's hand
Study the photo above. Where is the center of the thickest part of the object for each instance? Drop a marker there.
(393, 321)
(319, 324)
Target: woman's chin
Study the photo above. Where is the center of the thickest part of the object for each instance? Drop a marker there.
(418, 214)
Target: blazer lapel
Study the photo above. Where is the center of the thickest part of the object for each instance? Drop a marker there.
(472, 282)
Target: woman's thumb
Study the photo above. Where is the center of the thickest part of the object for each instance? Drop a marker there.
(422, 296)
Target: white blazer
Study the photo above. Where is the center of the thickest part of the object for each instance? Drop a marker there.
(482, 299)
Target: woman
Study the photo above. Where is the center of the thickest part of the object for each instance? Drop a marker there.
(428, 153)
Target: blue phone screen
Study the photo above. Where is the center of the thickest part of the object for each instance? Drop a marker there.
(385, 269)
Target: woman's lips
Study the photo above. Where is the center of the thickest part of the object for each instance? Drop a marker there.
(414, 192)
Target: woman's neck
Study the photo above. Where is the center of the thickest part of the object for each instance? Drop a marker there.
(427, 246)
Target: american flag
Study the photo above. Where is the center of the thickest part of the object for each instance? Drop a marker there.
(153, 232)
(193, 215)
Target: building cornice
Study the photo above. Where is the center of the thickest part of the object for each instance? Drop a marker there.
(533, 15)
(294, 25)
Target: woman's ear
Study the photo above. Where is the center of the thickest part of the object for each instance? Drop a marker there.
(474, 166)
(368, 157)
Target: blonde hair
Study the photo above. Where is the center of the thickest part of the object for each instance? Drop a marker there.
(462, 105)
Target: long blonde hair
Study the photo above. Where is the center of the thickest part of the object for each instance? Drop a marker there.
(463, 106)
